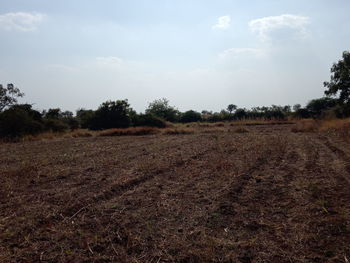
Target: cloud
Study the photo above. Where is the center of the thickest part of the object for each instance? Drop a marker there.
(223, 23)
(20, 21)
(267, 25)
(239, 52)
(109, 61)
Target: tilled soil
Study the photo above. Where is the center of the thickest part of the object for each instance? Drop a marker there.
(268, 195)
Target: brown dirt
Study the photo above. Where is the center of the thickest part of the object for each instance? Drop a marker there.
(267, 195)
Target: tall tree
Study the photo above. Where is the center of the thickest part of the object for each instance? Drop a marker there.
(9, 96)
(339, 85)
(231, 107)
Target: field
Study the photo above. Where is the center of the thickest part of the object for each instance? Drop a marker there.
(218, 193)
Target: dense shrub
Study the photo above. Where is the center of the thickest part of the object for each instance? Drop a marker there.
(85, 117)
(148, 120)
(190, 116)
(163, 110)
(111, 114)
(20, 120)
(56, 125)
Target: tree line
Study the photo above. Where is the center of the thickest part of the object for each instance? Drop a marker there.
(20, 119)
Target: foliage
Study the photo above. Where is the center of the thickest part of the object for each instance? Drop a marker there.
(317, 107)
(20, 120)
(339, 83)
(162, 109)
(85, 118)
(112, 114)
(8, 96)
(190, 116)
(231, 107)
(148, 120)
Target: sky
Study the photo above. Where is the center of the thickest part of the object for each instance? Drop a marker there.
(199, 54)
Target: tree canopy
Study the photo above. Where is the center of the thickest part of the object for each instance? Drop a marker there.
(9, 96)
(339, 84)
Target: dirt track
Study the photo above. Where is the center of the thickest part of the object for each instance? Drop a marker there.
(268, 195)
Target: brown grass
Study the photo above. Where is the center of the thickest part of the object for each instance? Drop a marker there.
(339, 126)
(264, 196)
(240, 129)
(177, 131)
(307, 125)
(134, 131)
(260, 122)
(80, 133)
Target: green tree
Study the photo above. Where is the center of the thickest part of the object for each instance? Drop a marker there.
(191, 116)
(339, 84)
(112, 114)
(162, 109)
(9, 96)
(231, 108)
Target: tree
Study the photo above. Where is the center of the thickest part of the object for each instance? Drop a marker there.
(191, 116)
(162, 109)
(317, 107)
(112, 114)
(340, 80)
(19, 120)
(296, 107)
(231, 108)
(9, 96)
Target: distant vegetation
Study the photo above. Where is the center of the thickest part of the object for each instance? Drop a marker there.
(17, 120)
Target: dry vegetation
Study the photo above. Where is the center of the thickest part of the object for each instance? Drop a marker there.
(207, 194)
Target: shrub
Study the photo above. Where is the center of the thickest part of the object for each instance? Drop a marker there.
(149, 120)
(56, 125)
(20, 120)
(190, 116)
(111, 114)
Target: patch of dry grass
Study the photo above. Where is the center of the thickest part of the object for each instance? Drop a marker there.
(177, 131)
(134, 131)
(260, 122)
(240, 129)
(340, 126)
(306, 125)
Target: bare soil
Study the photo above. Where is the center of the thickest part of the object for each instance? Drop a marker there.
(265, 195)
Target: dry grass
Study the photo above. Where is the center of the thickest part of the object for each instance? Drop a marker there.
(240, 129)
(307, 125)
(177, 131)
(264, 196)
(134, 131)
(339, 126)
(80, 133)
(260, 122)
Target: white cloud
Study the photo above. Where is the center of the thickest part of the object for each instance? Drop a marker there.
(246, 52)
(266, 25)
(20, 21)
(109, 61)
(223, 22)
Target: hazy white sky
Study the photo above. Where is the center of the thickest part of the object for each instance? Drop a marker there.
(200, 54)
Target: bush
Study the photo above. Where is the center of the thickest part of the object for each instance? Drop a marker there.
(111, 114)
(190, 116)
(56, 125)
(20, 120)
(149, 120)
